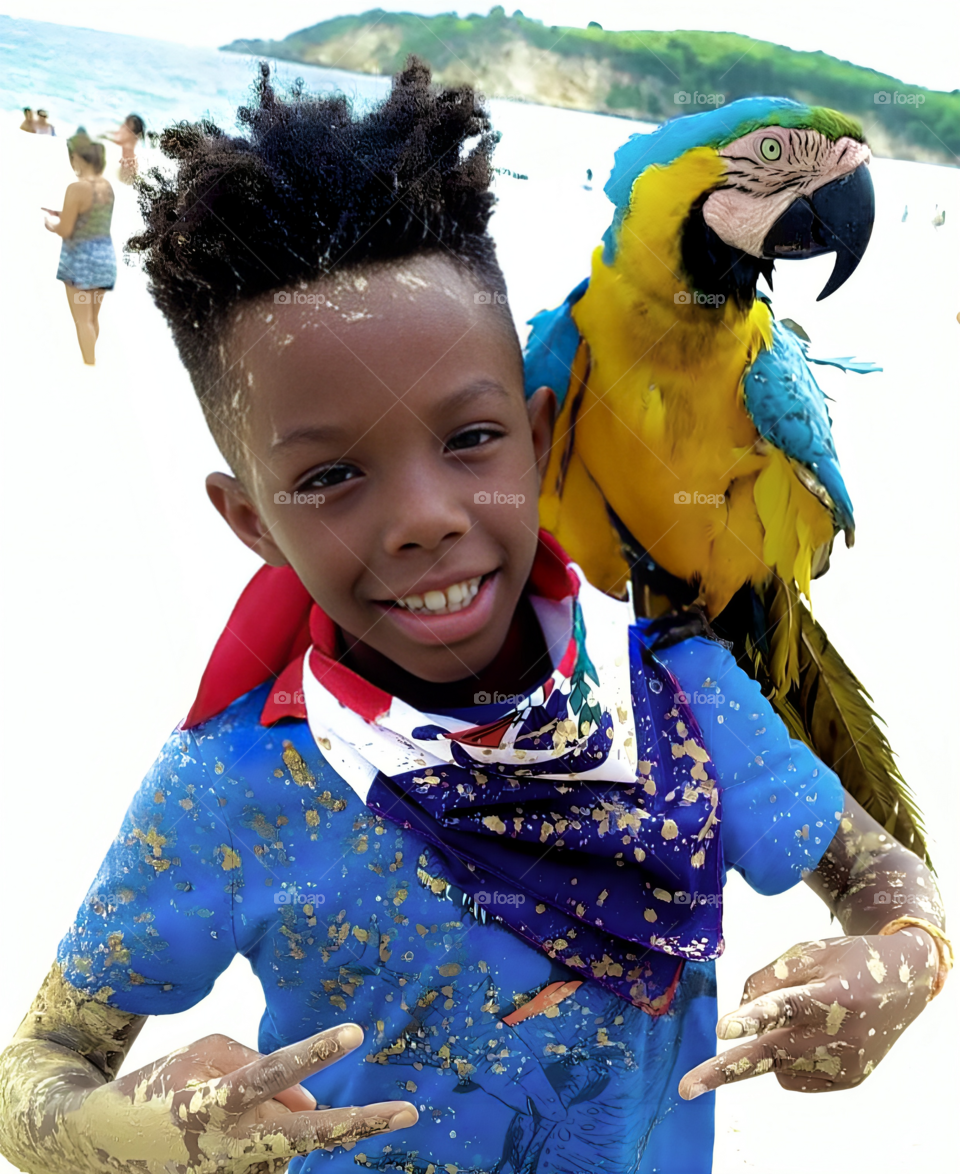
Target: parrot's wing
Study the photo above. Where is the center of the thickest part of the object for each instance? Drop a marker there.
(551, 347)
(845, 362)
(848, 363)
(789, 410)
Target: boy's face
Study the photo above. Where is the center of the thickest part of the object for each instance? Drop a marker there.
(392, 460)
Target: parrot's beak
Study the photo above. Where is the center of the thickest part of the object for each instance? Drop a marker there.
(837, 218)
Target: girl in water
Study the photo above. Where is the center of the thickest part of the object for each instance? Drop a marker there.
(88, 263)
(126, 136)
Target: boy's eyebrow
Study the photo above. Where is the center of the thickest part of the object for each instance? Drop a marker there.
(308, 433)
(472, 390)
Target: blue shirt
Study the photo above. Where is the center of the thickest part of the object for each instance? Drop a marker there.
(243, 839)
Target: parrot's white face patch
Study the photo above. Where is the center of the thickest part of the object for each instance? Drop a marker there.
(766, 171)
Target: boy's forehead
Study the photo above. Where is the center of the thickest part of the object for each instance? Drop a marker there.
(382, 316)
(380, 290)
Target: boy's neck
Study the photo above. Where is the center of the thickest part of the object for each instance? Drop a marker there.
(520, 665)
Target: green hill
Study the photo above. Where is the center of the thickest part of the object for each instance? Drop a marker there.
(637, 74)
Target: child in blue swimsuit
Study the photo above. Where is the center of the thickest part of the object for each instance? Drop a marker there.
(470, 834)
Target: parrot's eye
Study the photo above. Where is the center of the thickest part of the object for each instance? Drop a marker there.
(770, 149)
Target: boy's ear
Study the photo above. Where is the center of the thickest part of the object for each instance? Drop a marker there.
(233, 504)
(542, 410)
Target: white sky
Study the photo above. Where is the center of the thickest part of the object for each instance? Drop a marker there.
(916, 42)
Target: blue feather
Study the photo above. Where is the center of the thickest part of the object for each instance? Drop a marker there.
(790, 411)
(552, 346)
(848, 363)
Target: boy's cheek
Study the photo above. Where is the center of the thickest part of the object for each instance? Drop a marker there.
(325, 560)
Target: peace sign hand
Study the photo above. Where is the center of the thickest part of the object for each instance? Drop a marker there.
(824, 1014)
(217, 1107)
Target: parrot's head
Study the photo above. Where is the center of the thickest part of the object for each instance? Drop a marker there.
(765, 178)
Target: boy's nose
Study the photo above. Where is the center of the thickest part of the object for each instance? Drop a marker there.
(421, 512)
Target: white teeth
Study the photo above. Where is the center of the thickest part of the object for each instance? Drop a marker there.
(451, 599)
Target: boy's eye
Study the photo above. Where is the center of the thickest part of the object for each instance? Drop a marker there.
(473, 438)
(333, 475)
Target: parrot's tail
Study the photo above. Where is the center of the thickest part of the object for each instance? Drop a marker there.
(782, 635)
(831, 711)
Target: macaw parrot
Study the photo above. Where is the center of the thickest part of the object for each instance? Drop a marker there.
(692, 454)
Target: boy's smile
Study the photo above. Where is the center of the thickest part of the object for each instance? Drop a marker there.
(393, 463)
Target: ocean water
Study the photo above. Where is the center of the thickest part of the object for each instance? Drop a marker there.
(120, 576)
(83, 76)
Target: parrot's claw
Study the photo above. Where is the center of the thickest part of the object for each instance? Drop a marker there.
(670, 629)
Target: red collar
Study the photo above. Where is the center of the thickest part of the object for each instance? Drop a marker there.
(275, 621)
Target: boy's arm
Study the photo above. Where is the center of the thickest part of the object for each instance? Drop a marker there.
(215, 1106)
(868, 879)
(825, 1013)
(67, 1045)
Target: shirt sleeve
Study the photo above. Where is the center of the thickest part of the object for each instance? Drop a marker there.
(156, 928)
(779, 805)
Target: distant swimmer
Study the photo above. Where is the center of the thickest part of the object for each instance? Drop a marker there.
(41, 126)
(29, 123)
(88, 263)
(904, 216)
(126, 136)
(938, 217)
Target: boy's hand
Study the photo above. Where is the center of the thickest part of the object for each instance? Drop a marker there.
(218, 1107)
(824, 1014)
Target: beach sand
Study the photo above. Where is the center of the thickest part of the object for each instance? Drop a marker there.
(119, 577)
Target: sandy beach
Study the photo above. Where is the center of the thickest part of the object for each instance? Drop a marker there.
(119, 577)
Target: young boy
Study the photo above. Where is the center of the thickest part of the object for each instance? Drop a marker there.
(469, 833)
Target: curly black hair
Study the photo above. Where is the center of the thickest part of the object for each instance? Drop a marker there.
(314, 188)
